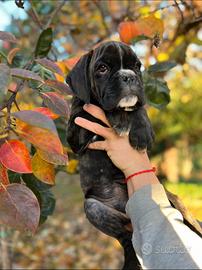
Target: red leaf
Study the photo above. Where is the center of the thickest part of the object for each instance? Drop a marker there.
(14, 155)
(47, 112)
(19, 208)
(37, 119)
(50, 65)
(25, 74)
(63, 88)
(56, 103)
(3, 175)
(7, 37)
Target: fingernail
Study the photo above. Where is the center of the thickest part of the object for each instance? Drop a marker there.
(85, 106)
(76, 119)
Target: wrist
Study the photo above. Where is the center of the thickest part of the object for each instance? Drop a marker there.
(139, 181)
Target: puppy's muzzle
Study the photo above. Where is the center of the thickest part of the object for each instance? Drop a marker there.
(128, 103)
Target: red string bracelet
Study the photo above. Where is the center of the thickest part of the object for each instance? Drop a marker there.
(140, 172)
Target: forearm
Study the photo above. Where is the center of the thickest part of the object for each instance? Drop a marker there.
(160, 238)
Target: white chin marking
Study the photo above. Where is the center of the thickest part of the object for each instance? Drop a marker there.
(128, 103)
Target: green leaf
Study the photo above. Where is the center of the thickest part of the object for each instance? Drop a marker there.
(5, 77)
(156, 90)
(44, 43)
(44, 195)
(161, 66)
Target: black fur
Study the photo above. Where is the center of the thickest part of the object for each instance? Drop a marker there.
(102, 183)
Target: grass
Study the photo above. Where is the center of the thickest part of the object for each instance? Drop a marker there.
(191, 195)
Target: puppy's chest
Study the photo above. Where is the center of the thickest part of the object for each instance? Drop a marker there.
(121, 122)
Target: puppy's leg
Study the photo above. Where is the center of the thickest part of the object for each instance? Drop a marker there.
(141, 135)
(112, 222)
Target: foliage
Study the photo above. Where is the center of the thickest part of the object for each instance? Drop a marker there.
(32, 139)
(190, 193)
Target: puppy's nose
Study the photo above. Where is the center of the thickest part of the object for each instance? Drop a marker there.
(127, 78)
(127, 75)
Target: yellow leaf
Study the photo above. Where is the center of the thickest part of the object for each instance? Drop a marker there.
(150, 26)
(72, 166)
(43, 170)
(144, 10)
(162, 56)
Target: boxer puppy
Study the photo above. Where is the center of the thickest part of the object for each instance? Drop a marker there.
(109, 77)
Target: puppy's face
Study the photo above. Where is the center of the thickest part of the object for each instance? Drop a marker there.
(116, 77)
(110, 75)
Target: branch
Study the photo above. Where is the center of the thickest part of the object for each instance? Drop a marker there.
(33, 14)
(180, 11)
(55, 12)
(100, 9)
(188, 218)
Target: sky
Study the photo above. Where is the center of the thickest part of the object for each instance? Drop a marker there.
(8, 9)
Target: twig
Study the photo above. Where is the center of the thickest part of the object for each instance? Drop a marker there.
(180, 11)
(16, 104)
(53, 15)
(100, 9)
(33, 14)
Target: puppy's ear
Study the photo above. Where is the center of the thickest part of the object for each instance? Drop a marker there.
(78, 78)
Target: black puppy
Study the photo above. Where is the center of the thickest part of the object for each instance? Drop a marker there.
(109, 77)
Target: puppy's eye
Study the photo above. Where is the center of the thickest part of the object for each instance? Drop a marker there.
(138, 65)
(103, 69)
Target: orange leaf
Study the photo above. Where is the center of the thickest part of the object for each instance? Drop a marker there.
(37, 119)
(19, 208)
(14, 155)
(71, 62)
(127, 31)
(64, 69)
(3, 175)
(43, 170)
(47, 112)
(43, 139)
(12, 54)
(150, 26)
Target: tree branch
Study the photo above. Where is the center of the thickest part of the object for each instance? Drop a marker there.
(180, 11)
(55, 12)
(101, 11)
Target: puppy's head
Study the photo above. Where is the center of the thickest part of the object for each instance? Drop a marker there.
(110, 75)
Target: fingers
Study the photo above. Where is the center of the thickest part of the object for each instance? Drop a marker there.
(94, 127)
(96, 112)
(99, 145)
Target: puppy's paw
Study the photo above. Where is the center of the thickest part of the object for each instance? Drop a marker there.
(142, 138)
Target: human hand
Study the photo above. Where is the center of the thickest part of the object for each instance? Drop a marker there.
(118, 148)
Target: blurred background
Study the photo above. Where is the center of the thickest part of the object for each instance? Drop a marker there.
(66, 239)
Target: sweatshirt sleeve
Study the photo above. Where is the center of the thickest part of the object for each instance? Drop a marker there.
(160, 238)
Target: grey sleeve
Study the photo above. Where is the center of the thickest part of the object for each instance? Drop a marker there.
(160, 238)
